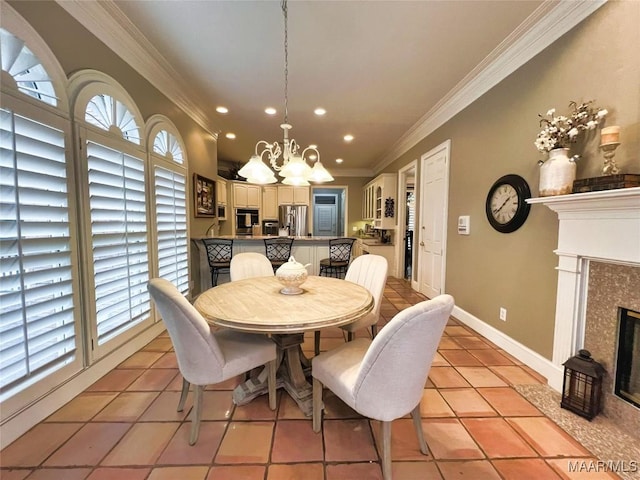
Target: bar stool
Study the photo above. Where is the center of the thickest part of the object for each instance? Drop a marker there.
(339, 257)
(219, 253)
(278, 250)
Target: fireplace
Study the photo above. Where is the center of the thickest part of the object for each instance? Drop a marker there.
(627, 383)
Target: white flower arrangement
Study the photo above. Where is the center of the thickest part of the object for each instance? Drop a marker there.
(561, 131)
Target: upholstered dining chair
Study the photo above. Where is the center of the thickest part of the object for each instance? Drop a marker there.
(205, 357)
(219, 254)
(384, 378)
(248, 265)
(278, 250)
(339, 257)
(369, 271)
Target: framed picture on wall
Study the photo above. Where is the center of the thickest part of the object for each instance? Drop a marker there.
(204, 194)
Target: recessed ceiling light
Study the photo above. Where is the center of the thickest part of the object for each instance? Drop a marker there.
(348, 138)
(319, 111)
(230, 135)
(270, 111)
(339, 160)
(221, 109)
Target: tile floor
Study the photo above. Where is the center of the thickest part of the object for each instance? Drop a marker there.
(125, 426)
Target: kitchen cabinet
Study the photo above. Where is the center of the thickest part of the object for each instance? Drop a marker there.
(221, 198)
(379, 202)
(270, 203)
(289, 195)
(246, 196)
(384, 250)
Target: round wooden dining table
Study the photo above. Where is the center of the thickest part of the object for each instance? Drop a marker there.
(256, 305)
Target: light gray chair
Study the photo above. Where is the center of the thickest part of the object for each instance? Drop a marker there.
(369, 271)
(248, 265)
(384, 378)
(205, 357)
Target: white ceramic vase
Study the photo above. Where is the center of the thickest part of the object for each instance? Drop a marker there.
(557, 174)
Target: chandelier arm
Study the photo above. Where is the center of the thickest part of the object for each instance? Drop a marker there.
(313, 149)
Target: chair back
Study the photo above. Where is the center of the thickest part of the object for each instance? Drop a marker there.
(249, 265)
(394, 370)
(197, 351)
(340, 249)
(369, 271)
(278, 249)
(219, 251)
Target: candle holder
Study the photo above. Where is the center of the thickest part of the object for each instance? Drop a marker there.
(608, 152)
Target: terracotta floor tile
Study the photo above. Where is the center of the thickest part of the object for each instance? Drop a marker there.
(155, 379)
(216, 405)
(126, 407)
(447, 377)
(229, 384)
(60, 473)
(179, 452)
(142, 445)
(167, 360)
(20, 474)
(415, 471)
(176, 384)
(116, 380)
(547, 438)
(439, 361)
(141, 359)
(525, 469)
(83, 407)
(448, 439)
(497, 438)
(404, 441)
(509, 356)
(182, 473)
(159, 344)
(288, 408)
(448, 343)
(246, 443)
(508, 402)
(355, 471)
(348, 441)
(481, 377)
(32, 448)
(89, 445)
(473, 343)
(460, 358)
(580, 469)
(258, 408)
(457, 331)
(163, 408)
(491, 357)
(301, 471)
(433, 405)
(295, 441)
(466, 402)
(117, 473)
(540, 378)
(514, 375)
(237, 472)
(472, 470)
(334, 407)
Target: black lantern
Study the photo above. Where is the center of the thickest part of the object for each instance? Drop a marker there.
(582, 389)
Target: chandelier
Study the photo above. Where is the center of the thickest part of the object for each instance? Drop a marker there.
(293, 167)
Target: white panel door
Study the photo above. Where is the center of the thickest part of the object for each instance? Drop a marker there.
(433, 216)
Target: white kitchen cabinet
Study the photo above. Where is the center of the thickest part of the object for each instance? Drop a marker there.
(385, 250)
(246, 196)
(221, 198)
(379, 201)
(270, 203)
(289, 195)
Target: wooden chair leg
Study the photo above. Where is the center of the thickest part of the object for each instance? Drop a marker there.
(317, 405)
(183, 395)
(196, 413)
(386, 450)
(316, 342)
(271, 382)
(417, 423)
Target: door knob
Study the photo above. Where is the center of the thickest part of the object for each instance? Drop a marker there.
(422, 244)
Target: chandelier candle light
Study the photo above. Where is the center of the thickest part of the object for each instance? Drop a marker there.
(294, 168)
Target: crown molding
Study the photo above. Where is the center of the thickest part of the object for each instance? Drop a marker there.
(107, 22)
(351, 172)
(544, 26)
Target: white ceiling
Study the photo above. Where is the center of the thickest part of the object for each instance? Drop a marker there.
(377, 67)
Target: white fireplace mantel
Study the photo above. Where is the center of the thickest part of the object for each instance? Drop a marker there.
(602, 226)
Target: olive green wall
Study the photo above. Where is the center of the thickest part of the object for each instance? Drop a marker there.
(78, 49)
(494, 136)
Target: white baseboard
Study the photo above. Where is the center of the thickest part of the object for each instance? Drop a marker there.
(537, 362)
(43, 407)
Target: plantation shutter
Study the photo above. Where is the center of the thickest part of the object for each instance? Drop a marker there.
(119, 239)
(171, 221)
(38, 326)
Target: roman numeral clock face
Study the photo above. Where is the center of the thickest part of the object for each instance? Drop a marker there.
(505, 206)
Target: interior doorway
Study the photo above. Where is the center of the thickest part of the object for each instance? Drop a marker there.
(406, 223)
(328, 211)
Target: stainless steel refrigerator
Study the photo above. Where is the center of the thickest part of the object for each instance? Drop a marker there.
(294, 218)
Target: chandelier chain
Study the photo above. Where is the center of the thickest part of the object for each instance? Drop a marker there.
(286, 63)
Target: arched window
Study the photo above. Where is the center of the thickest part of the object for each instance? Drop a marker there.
(169, 198)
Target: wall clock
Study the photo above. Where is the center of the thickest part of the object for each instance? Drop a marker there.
(505, 206)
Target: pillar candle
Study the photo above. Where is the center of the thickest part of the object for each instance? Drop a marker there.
(610, 135)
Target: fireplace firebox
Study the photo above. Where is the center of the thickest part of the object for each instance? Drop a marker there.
(627, 384)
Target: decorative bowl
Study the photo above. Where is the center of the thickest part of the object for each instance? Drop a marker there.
(292, 274)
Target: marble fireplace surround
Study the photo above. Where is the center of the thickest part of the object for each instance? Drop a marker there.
(596, 226)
